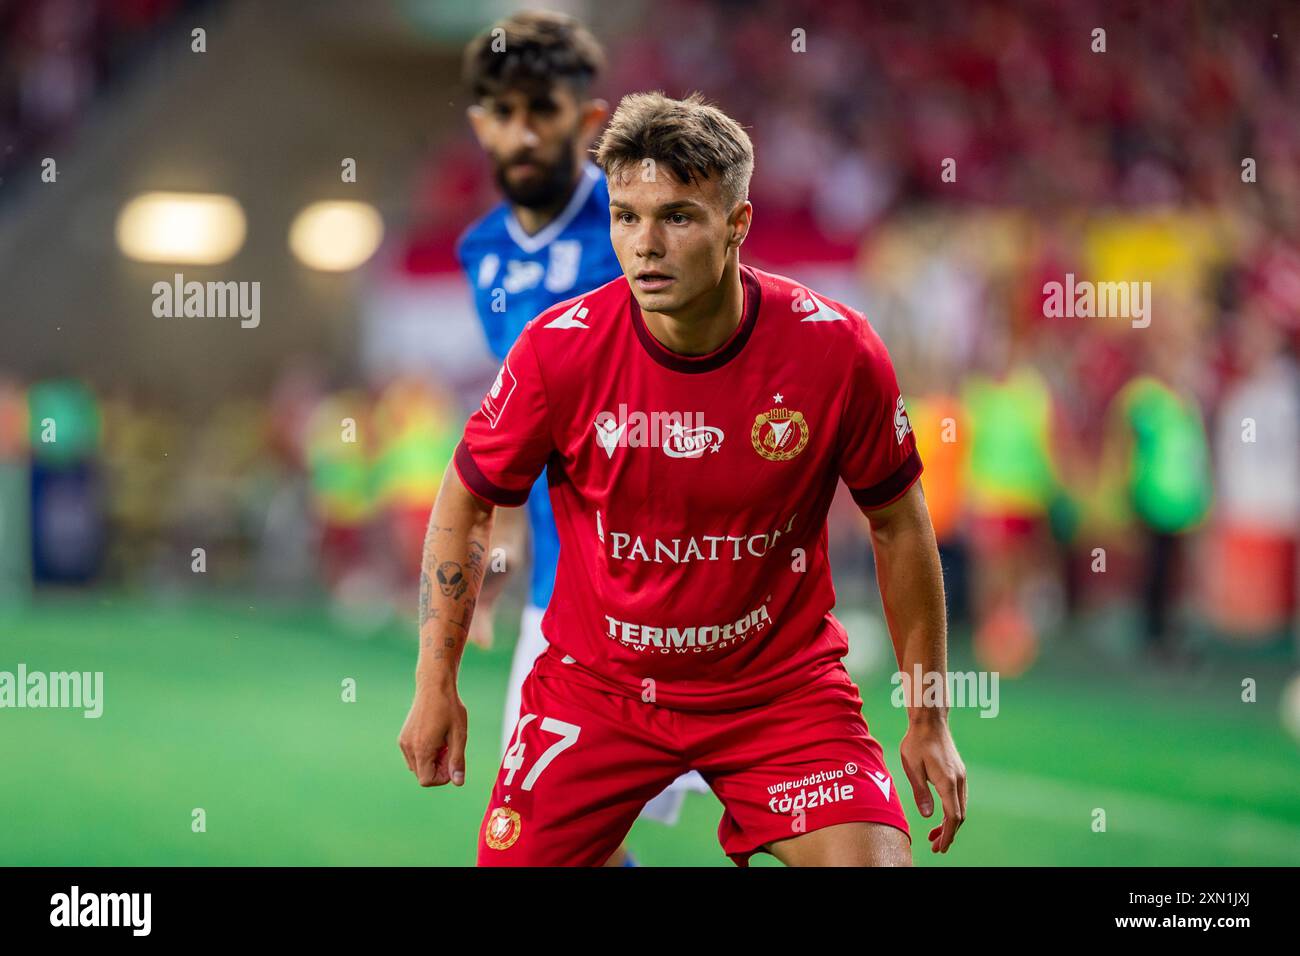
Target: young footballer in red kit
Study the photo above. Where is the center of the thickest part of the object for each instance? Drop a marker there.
(696, 416)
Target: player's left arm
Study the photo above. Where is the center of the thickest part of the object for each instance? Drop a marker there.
(509, 551)
(911, 586)
(878, 460)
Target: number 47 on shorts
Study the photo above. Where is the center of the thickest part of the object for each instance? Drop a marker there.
(514, 758)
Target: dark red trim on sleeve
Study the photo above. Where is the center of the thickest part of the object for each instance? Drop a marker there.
(893, 487)
(479, 484)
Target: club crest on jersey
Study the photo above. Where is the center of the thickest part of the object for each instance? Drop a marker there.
(778, 433)
(503, 828)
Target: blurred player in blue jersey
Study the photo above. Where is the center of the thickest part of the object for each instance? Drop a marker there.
(530, 77)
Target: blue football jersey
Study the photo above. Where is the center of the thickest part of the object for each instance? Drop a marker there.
(515, 277)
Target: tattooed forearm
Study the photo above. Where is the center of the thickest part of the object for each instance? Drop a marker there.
(452, 566)
(448, 590)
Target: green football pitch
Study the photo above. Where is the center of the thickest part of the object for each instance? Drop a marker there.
(238, 709)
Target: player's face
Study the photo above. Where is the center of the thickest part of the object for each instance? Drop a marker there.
(673, 239)
(534, 140)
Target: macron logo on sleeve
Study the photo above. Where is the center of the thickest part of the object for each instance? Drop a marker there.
(821, 312)
(570, 319)
(494, 402)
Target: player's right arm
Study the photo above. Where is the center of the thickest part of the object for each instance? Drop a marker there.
(455, 552)
(506, 444)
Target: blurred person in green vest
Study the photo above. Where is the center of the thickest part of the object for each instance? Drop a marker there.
(1157, 452)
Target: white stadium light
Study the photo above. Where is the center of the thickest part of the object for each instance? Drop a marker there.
(196, 228)
(336, 235)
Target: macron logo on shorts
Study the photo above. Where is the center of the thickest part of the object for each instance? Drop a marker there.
(494, 402)
(881, 781)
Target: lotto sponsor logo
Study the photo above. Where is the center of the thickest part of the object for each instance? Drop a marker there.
(624, 546)
(692, 443)
(683, 640)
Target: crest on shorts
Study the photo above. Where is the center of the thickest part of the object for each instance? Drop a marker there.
(503, 828)
(779, 434)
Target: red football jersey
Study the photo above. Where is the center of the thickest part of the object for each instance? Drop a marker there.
(691, 492)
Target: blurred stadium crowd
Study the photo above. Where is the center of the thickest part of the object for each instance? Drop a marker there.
(1071, 463)
(57, 56)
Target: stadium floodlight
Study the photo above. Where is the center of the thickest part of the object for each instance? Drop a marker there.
(336, 235)
(196, 228)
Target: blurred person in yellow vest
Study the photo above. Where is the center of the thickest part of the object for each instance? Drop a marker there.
(1009, 487)
(415, 438)
(339, 441)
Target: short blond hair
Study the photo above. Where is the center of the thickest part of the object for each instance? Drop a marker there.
(691, 138)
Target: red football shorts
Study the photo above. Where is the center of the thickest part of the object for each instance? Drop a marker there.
(583, 762)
